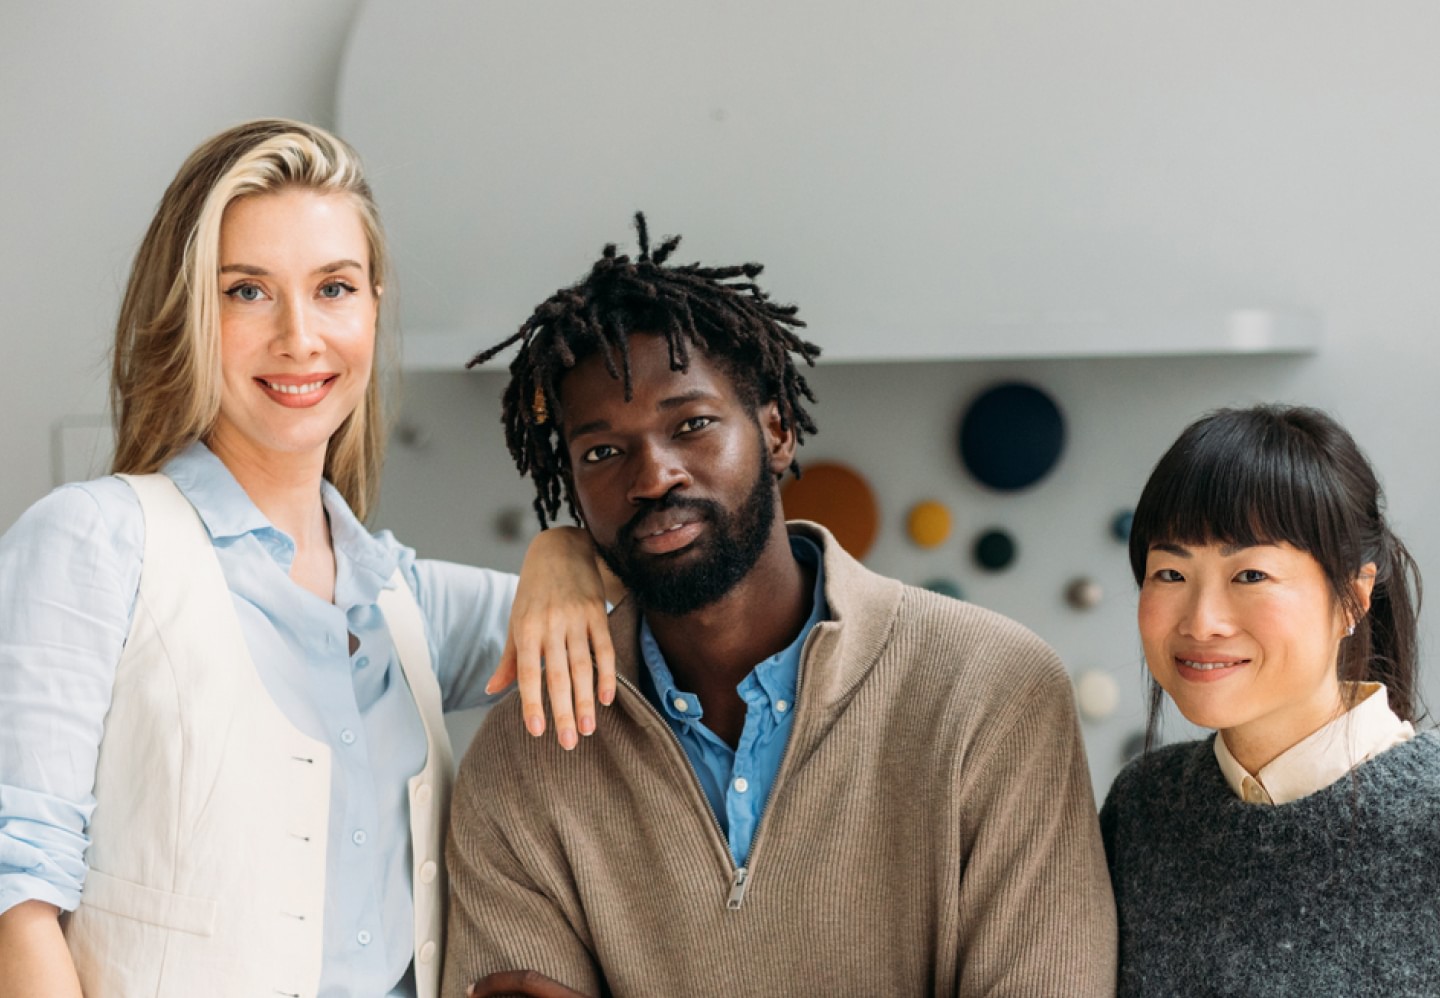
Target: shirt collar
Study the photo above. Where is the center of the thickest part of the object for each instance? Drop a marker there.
(1315, 762)
(364, 562)
(777, 677)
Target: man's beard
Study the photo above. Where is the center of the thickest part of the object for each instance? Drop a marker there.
(734, 542)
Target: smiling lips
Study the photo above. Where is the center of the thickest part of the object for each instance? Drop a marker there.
(1209, 669)
(298, 391)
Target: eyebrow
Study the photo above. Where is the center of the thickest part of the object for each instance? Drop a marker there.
(665, 405)
(1227, 550)
(252, 271)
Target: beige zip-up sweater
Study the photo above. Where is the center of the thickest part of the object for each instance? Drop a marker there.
(931, 831)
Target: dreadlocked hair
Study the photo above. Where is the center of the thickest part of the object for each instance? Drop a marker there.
(719, 310)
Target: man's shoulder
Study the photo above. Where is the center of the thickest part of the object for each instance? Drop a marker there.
(972, 640)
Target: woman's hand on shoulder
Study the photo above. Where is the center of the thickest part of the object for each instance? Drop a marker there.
(559, 617)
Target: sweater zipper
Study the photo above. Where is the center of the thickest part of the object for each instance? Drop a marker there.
(740, 875)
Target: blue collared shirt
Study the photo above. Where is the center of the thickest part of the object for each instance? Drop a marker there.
(737, 781)
(69, 572)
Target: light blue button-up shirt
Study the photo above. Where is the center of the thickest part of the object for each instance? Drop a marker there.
(69, 573)
(737, 781)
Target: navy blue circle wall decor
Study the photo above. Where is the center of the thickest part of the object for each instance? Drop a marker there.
(1011, 436)
(1120, 526)
(994, 550)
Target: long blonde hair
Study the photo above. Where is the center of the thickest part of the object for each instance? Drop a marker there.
(165, 378)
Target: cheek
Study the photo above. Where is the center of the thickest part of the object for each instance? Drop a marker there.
(1154, 618)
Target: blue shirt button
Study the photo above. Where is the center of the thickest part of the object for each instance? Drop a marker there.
(363, 937)
(361, 662)
(359, 837)
(347, 736)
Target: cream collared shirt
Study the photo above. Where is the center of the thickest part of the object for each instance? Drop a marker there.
(1358, 735)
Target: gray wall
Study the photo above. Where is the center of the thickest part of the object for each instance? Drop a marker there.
(100, 102)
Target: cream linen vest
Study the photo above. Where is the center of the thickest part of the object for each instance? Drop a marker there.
(207, 855)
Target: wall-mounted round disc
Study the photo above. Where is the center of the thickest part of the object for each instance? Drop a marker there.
(994, 550)
(1121, 524)
(838, 498)
(1133, 746)
(928, 523)
(946, 587)
(1096, 694)
(1011, 436)
(1084, 593)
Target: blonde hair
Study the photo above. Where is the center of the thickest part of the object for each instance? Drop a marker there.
(165, 378)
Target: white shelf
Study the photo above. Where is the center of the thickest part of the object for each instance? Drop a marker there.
(1015, 337)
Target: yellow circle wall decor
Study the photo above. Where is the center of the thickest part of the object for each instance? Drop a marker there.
(929, 523)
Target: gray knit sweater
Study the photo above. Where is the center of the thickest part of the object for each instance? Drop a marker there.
(1336, 894)
(931, 830)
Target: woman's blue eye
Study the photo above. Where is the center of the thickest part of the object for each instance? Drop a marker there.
(336, 289)
(245, 292)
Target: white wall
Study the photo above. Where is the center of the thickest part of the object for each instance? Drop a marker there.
(100, 102)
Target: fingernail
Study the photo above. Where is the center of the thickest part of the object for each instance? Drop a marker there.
(568, 740)
(607, 697)
(535, 725)
(587, 725)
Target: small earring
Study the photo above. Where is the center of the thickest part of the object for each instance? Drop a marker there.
(1350, 631)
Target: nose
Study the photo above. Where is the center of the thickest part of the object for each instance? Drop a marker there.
(655, 472)
(297, 334)
(1206, 614)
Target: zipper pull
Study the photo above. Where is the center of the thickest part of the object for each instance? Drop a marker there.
(737, 889)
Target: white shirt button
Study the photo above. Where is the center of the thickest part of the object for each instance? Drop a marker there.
(361, 662)
(363, 937)
(680, 704)
(359, 837)
(347, 736)
(781, 706)
(741, 784)
(428, 871)
(422, 794)
(427, 952)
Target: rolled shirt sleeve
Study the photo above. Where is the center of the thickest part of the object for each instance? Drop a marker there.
(69, 572)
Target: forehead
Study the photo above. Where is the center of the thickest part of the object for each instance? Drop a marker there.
(294, 222)
(589, 392)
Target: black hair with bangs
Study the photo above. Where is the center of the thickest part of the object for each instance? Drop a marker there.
(1275, 474)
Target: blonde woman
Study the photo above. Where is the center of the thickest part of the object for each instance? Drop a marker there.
(221, 745)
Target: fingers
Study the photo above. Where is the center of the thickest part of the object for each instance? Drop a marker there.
(582, 680)
(527, 668)
(557, 682)
(604, 652)
(505, 671)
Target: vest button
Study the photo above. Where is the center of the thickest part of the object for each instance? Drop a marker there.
(427, 952)
(428, 871)
(422, 794)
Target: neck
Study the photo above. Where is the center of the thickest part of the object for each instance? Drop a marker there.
(1260, 742)
(711, 650)
(285, 487)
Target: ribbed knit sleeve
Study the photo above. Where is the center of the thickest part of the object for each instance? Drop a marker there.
(502, 917)
(1035, 896)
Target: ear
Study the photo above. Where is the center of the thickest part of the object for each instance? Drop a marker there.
(1362, 586)
(779, 439)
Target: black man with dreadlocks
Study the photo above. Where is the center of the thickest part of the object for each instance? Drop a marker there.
(816, 780)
